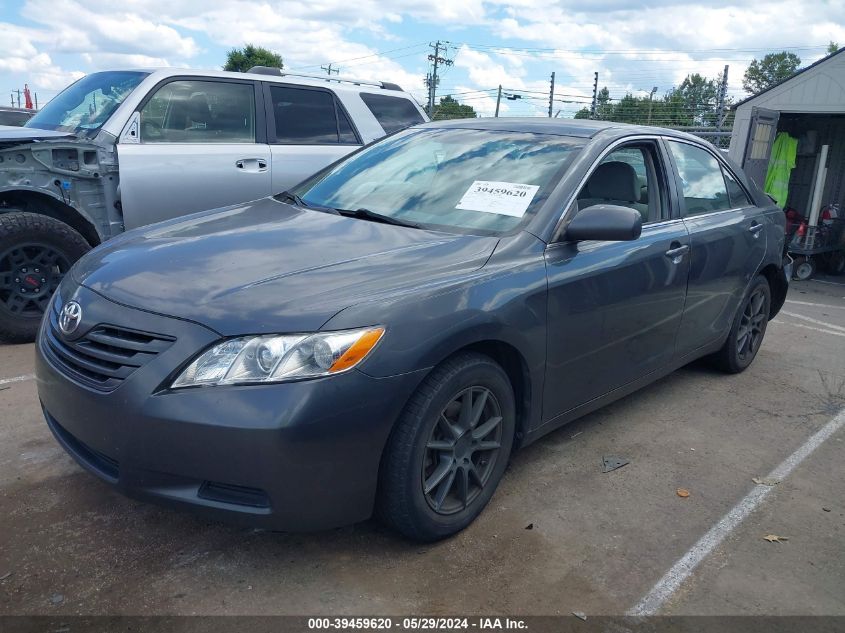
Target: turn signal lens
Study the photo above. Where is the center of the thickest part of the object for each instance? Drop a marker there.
(357, 351)
(260, 359)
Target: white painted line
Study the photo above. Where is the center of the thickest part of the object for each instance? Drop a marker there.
(823, 281)
(683, 569)
(809, 327)
(830, 326)
(6, 381)
(815, 305)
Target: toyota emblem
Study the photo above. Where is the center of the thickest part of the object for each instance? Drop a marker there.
(69, 317)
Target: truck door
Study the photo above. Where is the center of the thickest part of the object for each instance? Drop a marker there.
(194, 144)
(758, 148)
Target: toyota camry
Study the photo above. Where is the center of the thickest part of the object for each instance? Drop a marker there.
(384, 336)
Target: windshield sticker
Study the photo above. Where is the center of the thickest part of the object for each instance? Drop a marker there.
(501, 198)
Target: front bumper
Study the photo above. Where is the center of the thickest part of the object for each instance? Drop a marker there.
(292, 456)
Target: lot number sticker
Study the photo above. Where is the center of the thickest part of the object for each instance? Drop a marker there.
(501, 198)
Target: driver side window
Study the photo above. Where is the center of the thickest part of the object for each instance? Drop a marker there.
(625, 177)
(188, 111)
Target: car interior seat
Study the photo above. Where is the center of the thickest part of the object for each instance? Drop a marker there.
(614, 182)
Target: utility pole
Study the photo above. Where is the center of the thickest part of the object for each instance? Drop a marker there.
(19, 97)
(595, 94)
(651, 102)
(551, 95)
(329, 70)
(436, 60)
(723, 93)
(498, 100)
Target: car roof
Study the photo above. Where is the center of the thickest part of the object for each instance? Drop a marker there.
(578, 128)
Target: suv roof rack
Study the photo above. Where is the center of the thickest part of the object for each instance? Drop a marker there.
(279, 72)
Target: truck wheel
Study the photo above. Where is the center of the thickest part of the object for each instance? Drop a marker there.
(35, 253)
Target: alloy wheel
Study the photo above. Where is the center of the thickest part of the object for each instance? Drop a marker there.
(462, 450)
(29, 275)
(752, 325)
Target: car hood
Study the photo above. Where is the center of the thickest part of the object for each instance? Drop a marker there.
(271, 267)
(14, 134)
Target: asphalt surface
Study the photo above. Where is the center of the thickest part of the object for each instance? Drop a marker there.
(559, 535)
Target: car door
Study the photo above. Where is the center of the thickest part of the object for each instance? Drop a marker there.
(727, 242)
(193, 144)
(614, 307)
(309, 129)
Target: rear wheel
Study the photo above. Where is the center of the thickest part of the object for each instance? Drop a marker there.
(449, 449)
(748, 329)
(36, 251)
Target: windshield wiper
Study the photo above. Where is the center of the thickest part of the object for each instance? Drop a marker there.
(366, 214)
(289, 196)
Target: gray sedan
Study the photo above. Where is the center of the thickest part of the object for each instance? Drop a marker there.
(386, 335)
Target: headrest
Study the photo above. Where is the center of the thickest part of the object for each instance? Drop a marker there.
(614, 181)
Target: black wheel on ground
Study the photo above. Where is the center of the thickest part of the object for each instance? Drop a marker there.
(748, 329)
(449, 449)
(35, 253)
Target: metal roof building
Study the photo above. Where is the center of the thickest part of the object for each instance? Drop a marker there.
(810, 107)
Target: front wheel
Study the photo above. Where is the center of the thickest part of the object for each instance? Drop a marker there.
(36, 251)
(449, 449)
(748, 329)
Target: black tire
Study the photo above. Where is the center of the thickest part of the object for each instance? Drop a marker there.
(35, 253)
(747, 330)
(408, 460)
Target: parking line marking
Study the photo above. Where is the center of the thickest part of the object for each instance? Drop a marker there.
(815, 305)
(672, 580)
(809, 327)
(6, 381)
(815, 321)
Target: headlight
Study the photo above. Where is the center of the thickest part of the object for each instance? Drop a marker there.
(278, 358)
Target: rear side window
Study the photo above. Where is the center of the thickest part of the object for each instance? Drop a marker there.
(704, 187)
(309, 117)
(392, 113)
(737, 195)
(188, 111)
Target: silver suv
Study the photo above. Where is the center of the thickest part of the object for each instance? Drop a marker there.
(122, 149)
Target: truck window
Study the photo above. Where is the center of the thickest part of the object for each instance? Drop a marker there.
(392, 113)
(309, 117)
(189, 111)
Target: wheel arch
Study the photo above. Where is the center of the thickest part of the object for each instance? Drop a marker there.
(778, 285)
(43, 203)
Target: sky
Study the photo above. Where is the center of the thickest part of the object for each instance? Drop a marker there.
(633, 45)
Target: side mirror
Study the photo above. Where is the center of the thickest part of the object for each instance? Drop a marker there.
(606, 222)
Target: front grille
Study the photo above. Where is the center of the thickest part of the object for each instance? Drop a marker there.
(106, 356)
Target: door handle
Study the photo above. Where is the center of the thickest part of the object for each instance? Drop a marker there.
(755, 229)
(251, 164)
(677, 254)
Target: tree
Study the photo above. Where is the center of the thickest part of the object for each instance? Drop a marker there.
(449, 108)
(773, 68)
(832, 47)
(241, 60)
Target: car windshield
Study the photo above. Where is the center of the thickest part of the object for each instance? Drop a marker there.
(83, 107)
(463, 180)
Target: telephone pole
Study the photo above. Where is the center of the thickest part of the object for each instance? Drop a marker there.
(723, 93)
(551, 95)
(436, 60)
(498, 100)
(595, 95)
(329, 70)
